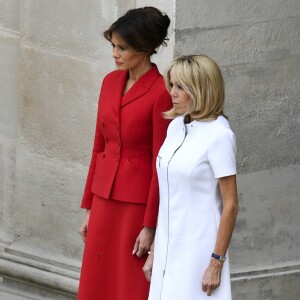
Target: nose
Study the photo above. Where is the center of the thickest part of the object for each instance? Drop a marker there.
(115, 52)
(173, 92)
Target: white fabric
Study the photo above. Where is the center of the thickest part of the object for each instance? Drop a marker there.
(190, 208)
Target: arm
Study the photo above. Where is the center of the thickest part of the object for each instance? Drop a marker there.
(98, 147)
(88, 195)
(159, 129)
(228, 188)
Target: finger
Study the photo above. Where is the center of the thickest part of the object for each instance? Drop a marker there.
(82, 232)
(215, 284)
(141, 251)
(148, 275)
(83, 236)
(147, 272)
(135, 247)
(209, 290)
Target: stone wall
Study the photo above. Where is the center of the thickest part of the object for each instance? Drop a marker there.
(257, 44)
(9, 80)
(53, 58)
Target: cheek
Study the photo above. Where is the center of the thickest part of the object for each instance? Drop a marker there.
(124, 56)
(187, 102)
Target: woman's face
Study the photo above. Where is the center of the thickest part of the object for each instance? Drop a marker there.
(127, 58)
(180, 98)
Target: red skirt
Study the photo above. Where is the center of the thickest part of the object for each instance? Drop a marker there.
(109, 270)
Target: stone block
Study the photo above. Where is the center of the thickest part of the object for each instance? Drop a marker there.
(262, 101)
(9, 86)
(276, 286)
(7, 185)
(124, 6)
(9, 82)
(245, 43)
(206, 14)
(267, 228)
(58, 106)
(10, 14)
(46, 212)
(35, 282)
(73, 27)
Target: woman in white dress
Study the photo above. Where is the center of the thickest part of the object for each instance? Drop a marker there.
(198, 194)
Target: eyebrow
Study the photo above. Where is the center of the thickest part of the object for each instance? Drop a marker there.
(120, 45)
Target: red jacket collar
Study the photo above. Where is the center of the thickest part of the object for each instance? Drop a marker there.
(141, 86)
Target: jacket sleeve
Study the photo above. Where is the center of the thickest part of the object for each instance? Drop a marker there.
(98, 147)
(159, 127)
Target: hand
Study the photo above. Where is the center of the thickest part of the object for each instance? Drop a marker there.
(84, 227)
(147, 268)
(212, 277)
(143, 241)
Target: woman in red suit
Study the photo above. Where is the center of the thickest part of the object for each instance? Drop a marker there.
(121, 193)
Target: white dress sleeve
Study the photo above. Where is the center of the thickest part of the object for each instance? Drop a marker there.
(221, 153)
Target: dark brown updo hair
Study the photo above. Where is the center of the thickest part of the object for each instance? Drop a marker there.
(144, 29)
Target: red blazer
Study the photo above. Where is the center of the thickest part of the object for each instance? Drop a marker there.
(129, 132)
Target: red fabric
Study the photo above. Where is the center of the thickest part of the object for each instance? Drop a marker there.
(109, 270)
(129, 132)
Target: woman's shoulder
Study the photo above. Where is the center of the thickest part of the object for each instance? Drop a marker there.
(221, 130)
(215, 129)
(221, 124)
(114, 74)
(111, 78)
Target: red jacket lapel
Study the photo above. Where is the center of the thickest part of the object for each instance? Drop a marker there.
(141, 87)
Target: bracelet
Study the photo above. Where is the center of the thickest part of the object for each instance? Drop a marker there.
(150, 253)
(218, 257)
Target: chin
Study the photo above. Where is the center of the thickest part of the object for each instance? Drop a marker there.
(121, 68)
(178, 111)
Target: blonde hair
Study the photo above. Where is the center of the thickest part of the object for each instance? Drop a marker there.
(202, 80)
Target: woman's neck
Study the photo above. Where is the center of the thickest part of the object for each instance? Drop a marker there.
(140, 70)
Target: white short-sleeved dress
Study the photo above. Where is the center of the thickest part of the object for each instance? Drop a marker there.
(189, 164)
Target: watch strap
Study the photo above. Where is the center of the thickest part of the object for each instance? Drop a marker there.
(218, 257)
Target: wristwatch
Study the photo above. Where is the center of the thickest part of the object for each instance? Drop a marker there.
(218, 257)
